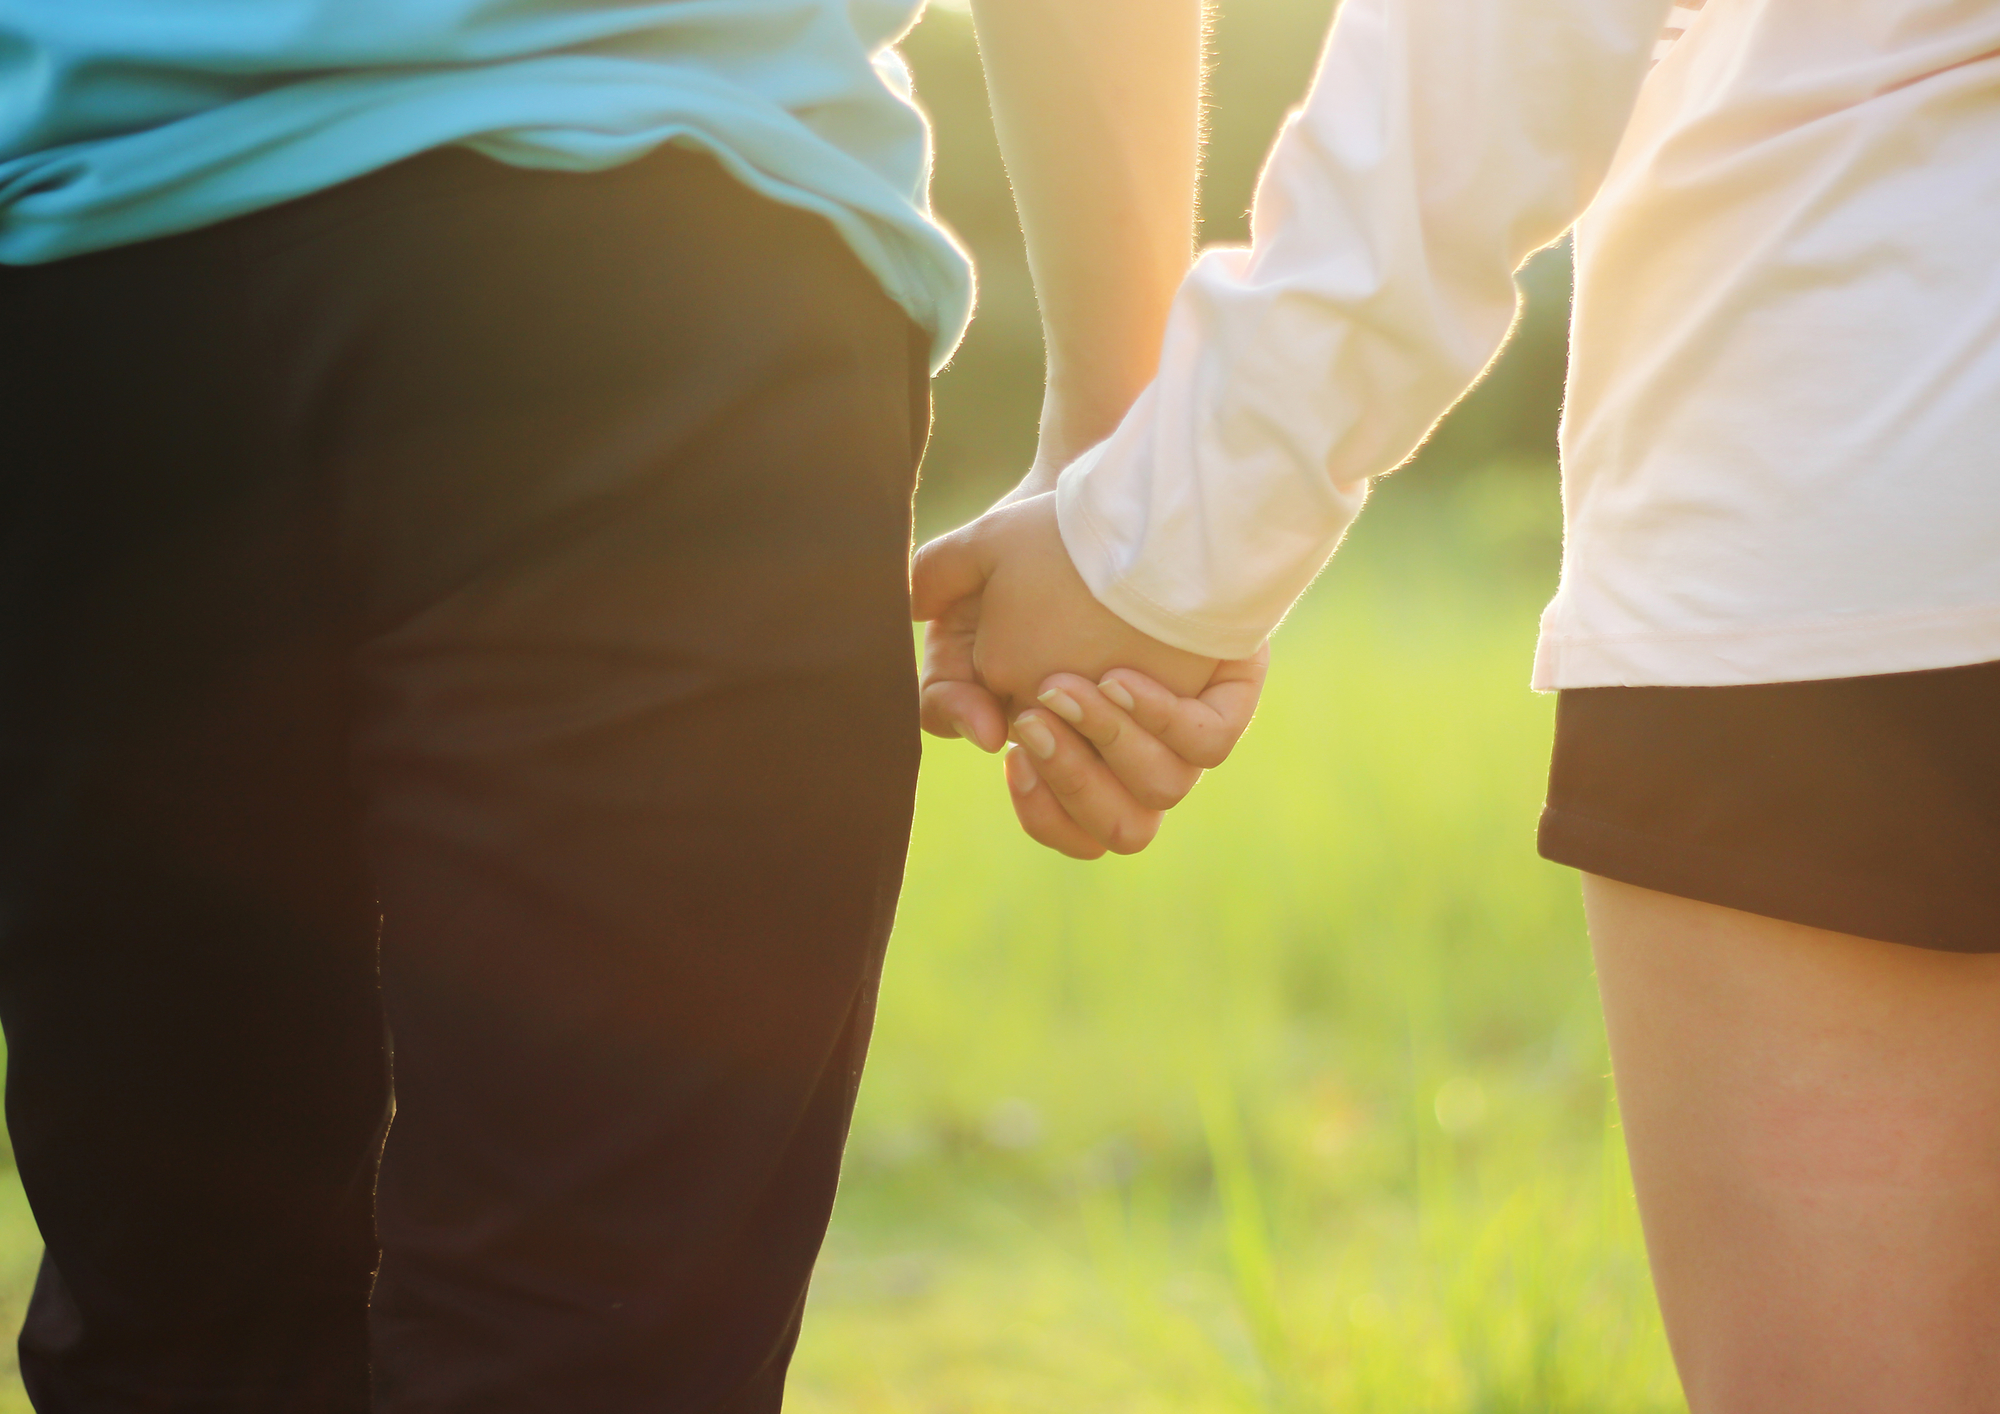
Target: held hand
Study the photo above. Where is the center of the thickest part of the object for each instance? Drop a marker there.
(1101, 759)
(1008, 608)
(1099, 763)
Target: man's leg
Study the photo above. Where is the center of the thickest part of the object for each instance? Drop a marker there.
(197, 1081)
(1814, 1125)
(631, 457)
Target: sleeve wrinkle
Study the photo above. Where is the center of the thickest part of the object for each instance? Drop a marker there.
(1441, 144)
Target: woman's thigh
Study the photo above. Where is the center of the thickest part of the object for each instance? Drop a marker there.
(1814, 1126)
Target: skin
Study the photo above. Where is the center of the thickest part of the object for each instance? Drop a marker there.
(1008, 607)
(1814, 1125)
(1114, 727)
(1097, 108)
(1097, 769)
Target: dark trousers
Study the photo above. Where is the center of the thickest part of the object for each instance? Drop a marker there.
(502, 574)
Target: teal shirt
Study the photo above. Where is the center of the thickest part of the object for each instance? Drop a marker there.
(122, 120)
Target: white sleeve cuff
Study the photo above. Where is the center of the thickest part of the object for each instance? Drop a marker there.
(1115, 566)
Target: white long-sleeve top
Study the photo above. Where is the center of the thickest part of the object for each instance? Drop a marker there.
(1781, 439)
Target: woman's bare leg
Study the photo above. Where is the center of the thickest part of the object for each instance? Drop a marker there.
(1814, 1124)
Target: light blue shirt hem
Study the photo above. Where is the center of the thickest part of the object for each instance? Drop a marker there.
(567, 111)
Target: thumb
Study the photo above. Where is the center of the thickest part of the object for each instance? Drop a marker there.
(948, 569)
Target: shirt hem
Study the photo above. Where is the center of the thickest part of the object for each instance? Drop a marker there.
(1887, 909)
(1793, 652)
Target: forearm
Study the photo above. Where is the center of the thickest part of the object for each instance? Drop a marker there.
(1097, 105)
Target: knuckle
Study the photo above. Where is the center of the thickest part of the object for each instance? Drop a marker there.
(1075, 844)
(1129, 834)
(1065, 782)
(1208, 750)
(1003, 678)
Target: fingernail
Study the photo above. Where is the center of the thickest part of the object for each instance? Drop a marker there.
(1062, 704)
(1031, 733)
(1116, 691)
(1020, 772)
(969, 734)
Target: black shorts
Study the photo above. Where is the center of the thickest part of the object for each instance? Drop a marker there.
(1865, 805)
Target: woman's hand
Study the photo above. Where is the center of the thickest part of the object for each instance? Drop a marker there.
(1008, 608)
(1114, 726)
(1099, 764)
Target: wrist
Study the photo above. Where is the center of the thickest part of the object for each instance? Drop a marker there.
(1072, 424)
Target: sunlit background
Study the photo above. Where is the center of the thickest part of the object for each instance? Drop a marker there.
(1305, 1108)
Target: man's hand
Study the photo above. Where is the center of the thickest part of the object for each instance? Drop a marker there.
(1013, 625)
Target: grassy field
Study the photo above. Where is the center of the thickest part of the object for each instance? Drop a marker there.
(1304, 1109)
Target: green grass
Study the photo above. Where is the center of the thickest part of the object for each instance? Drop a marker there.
(1304, 1109)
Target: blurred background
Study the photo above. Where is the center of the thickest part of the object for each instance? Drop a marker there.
(1305, 1108)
